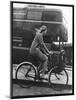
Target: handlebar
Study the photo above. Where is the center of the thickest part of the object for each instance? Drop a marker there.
(54, 52)
(57, 52)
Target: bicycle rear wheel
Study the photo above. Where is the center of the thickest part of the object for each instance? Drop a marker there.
(25, 73)
(58, 81)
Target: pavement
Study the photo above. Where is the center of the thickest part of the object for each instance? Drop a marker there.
(69, 71)
(39, 88)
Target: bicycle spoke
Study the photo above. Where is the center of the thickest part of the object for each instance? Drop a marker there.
(25, 72)
(57, 77)
(58, 80)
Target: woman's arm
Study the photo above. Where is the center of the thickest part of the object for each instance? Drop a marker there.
(42, 43)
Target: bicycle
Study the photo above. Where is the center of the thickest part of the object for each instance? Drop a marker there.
(57, 75)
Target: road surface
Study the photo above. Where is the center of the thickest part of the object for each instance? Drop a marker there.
(39, 89)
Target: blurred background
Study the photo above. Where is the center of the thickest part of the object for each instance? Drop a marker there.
(27, 17)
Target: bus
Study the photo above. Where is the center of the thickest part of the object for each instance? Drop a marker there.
(25, 20)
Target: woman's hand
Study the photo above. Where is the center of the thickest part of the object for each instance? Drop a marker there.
(47, 54)
(51, 52)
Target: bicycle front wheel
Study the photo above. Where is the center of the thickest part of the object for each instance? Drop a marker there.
(58, 81)
(25, 73)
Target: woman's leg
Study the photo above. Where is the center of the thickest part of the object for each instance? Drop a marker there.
(43, 58)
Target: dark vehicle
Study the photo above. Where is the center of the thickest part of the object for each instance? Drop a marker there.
(24, 22)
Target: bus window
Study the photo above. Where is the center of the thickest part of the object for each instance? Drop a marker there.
(52, 15)
(34, 15)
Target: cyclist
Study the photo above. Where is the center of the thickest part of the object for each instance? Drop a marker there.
(38, 46)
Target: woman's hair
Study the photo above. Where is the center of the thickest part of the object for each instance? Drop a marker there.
(43, 28)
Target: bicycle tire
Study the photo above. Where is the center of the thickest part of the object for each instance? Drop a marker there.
(24, 83)
(55, 86)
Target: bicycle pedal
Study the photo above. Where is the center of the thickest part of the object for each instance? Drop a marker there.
(59, 73)
(46, 72)
(37, 77)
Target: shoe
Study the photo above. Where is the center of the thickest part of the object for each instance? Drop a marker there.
(44, 76)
